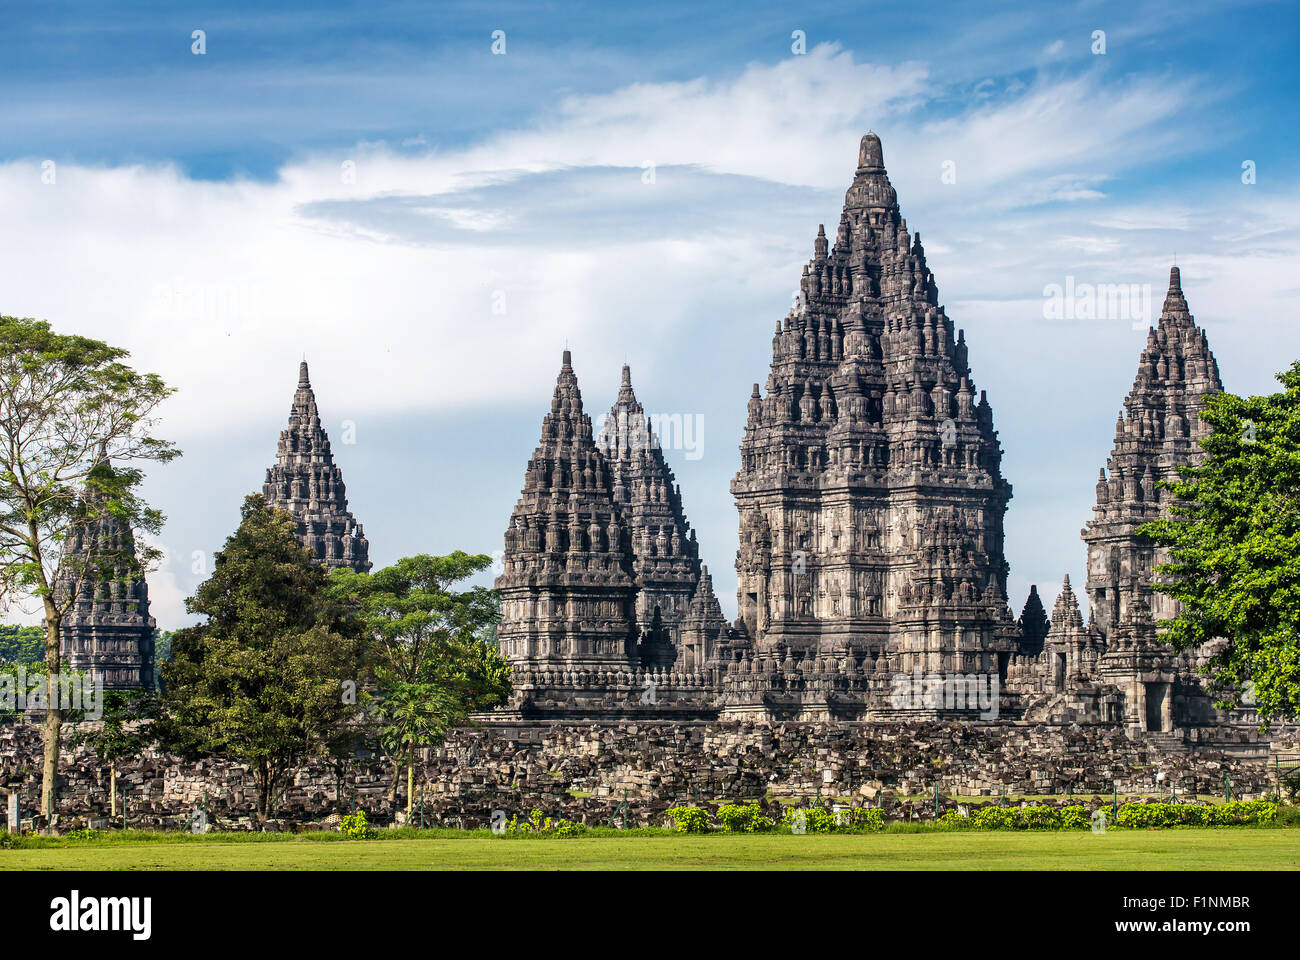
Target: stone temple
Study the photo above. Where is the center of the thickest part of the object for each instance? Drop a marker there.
(870, 492)
(306, 482)
(107, 631)
(871, 505)
(1115, 669)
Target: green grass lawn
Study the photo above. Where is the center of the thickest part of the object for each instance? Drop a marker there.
(1230, 848)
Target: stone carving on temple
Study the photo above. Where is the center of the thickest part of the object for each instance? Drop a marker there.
(107, 632)
(306, 482)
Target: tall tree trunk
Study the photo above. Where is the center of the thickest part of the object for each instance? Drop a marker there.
(112, 788)
(263, 779)
(410, 791)
(52, 727)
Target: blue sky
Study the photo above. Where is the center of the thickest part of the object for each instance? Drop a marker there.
(498, 207)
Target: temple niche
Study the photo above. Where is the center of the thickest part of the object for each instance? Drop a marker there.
(306, 482)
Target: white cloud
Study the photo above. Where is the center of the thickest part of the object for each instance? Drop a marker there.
(220, 287)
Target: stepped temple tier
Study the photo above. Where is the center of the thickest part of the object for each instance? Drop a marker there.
(107, 632)
(306, 482)
(872, 576)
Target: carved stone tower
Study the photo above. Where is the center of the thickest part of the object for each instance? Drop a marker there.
(568, 592)
(666, 558)
(108, 631)
(1157, 431)
(306, 482)
(870, 490)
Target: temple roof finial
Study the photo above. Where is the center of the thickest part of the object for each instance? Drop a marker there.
(870, 154)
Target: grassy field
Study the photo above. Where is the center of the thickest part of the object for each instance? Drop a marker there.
(1176, 849)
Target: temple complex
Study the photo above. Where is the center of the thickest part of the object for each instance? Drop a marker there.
(871, 505)
(306, 482)
(601, 570)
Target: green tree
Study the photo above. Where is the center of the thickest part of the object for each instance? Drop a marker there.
(1234, 549)
(162, 652)
(432, 663)
(264, 679)
(69, 407)
(123, 730)
(24, 645)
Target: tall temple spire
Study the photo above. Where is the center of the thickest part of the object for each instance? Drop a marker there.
(1157, 431)
(568, 588)
(306, 482)
(1175, 305)
(666, 555)
(108, 631)
(870, 491)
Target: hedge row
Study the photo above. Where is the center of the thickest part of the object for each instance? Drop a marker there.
(1138, 815)
(749, 818)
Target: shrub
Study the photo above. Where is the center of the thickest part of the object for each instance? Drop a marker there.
(545, 826)
(1076, 817)
(1039, 818)
(1288, 815)
(1247, 811)
(994, 818)
(86, 834)
(951, 818)
(1142, 815)
(568, 828)
(689, 819)
(355, 827)
(864, 818)
(813, 819)
(1235, 812)
(743, 818)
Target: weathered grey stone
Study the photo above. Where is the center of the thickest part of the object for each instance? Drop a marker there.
(107, 631)
(306, 482)
(583, 771)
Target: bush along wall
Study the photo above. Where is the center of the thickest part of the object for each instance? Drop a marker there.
(1150, 815)
(750, 818)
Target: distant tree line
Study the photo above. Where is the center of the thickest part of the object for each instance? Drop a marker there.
(21, 645)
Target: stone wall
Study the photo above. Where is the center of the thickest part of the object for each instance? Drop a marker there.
(584, 771)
